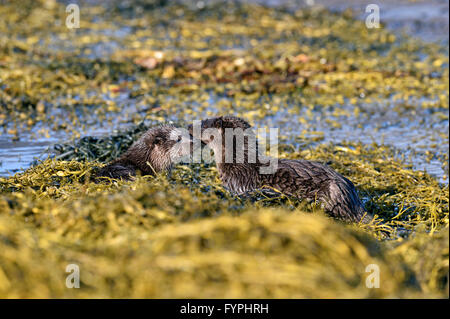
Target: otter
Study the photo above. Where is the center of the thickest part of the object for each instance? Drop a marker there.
(299, 178)
(155, 151)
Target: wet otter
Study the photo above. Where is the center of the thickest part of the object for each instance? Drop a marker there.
(299, 178)
(154, 152)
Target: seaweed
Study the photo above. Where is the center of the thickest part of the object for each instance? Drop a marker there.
(180, 234)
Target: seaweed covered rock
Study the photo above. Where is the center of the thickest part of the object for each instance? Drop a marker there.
(185, 236)
(261, 254)
(427, 255)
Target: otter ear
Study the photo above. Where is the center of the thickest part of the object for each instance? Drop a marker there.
(219, 122)
(158, 140)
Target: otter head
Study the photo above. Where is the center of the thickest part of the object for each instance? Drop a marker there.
(159, 148)
(219, 124)
(225, 135)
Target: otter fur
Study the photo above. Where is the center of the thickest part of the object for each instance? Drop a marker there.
(300, 178)
(154, 152)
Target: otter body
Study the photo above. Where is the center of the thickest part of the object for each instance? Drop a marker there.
(154, 152)
(300, 178)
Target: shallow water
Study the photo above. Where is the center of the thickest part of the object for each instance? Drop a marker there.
(427, 20)
(35, 145)
(16, 156)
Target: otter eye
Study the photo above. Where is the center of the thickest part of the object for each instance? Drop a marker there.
(158, 140)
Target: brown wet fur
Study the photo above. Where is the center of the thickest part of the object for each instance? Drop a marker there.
(147, 156)
(300, 178)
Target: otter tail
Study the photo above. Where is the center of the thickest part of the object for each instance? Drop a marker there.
(343, 202)
(350, 214)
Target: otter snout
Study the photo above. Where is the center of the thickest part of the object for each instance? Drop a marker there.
(190, 129)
